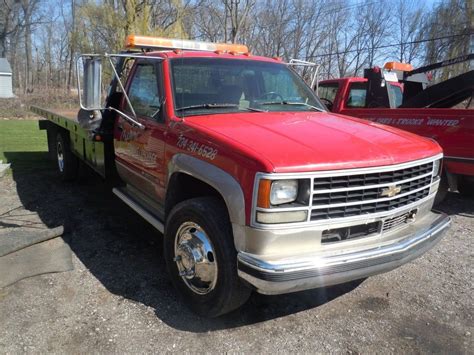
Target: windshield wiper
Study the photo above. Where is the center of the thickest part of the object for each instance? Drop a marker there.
(212, 106)
(292, 103)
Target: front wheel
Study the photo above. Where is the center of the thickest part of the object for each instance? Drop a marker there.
(201, 258)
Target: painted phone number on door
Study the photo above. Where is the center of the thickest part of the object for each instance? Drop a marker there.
(197, 148)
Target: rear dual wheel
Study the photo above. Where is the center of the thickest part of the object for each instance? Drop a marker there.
(201, 257)
(67, 162)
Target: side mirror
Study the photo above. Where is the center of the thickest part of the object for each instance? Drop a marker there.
(90, 94)
(91, 98)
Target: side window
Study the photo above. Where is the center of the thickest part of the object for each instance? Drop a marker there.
(397, 94)
(357, 95)
(143, 91)
(127, 67)
(328, 91)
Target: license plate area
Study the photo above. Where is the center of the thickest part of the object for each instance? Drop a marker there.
(368, 229)
(352, 232)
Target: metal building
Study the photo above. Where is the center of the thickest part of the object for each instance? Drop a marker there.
(6, 90)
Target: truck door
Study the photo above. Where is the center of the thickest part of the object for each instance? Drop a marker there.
(140, 152)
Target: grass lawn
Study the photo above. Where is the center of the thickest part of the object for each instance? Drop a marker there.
(22, 144)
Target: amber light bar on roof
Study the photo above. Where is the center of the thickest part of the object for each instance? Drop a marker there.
(146, 42)
(398, 66)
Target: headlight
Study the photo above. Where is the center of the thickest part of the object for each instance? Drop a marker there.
(283, 191)
(275, 200)
(436, 168)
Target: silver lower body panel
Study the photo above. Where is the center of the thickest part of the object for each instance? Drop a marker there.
(314, 270)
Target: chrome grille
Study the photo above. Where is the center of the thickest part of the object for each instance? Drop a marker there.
(353, 195)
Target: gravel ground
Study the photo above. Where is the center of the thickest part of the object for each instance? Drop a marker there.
(119, 298)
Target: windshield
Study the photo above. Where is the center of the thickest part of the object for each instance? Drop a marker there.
(217, 85)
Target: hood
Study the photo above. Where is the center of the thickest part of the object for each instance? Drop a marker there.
(311, 141)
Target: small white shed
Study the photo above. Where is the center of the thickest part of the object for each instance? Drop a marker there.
(6, 89)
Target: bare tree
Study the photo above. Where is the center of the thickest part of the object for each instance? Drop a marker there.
(408, 29)
(272, 29)
(378, 27)
(237, 12)
(28, 7)
(72, 44)
(10, 23)
(452, 22)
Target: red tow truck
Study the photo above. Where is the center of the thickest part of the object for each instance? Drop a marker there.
(254, 185)
(399, 96)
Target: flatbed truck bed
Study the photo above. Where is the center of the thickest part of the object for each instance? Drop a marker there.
(90, 149)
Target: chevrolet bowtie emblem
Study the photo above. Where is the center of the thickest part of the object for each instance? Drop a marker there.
(391, 191)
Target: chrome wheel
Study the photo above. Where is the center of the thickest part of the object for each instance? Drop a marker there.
(195, 258)
(60, 156)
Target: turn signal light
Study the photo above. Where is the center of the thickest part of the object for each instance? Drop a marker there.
(147, 42)
(263, 198)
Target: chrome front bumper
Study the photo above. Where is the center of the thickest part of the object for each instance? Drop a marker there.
(290, 274)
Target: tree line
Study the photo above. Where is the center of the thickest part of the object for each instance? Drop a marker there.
(41, 38)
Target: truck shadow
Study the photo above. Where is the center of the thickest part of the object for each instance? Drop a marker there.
(456, 204)
(124, 252)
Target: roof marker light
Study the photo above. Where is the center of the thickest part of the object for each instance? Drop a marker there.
(146, 42)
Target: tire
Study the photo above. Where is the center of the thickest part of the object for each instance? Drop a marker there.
(218, 290)
(466, 186)
(66, 162)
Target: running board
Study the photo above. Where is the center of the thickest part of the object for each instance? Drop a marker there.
(147, 216)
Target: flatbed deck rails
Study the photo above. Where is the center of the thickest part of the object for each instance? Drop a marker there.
(64, 118)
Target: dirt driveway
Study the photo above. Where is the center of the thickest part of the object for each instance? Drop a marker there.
(119, 298)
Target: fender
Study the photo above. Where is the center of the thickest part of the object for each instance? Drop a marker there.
(227, 186)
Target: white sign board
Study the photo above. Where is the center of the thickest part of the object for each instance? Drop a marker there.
(390, 76)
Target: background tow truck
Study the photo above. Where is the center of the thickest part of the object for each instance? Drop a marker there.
(401, 96)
